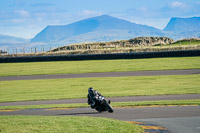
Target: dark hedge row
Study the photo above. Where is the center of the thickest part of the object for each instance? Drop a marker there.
(185, 53)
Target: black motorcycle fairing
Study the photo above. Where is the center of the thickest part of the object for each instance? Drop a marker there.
(104, 106)
(97, 101)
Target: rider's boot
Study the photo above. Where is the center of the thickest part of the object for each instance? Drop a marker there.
(93, 105)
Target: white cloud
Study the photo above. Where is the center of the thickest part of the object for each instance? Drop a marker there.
(143, 9)
(41, 5)
(89, 13)
(22, 13)
(177, 4)
(17, 20)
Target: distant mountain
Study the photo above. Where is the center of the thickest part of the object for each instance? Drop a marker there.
(184, 27)
(183, 24)
(10, 42)
(11, 39)
(101, 28)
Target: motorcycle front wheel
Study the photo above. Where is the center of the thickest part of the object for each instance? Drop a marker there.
(108, 106)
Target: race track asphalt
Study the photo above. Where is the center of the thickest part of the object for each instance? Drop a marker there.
(104, 74)
(177, 124)
(113, 99)
(126, 114)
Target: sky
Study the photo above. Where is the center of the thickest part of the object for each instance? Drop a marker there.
(26, 18)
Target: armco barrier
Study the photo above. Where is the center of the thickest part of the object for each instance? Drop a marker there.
(186, 53)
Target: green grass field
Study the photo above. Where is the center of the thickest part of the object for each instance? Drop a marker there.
(186, 42)
(69, 124)
(63, 67)
(23, 90)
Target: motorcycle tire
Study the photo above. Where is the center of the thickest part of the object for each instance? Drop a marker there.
(108, 106)
(98, 109)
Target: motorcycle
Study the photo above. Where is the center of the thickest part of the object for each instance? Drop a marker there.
(103, 105)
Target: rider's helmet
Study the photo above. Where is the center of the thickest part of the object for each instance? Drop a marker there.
(90, 90)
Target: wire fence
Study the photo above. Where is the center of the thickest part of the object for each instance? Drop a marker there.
(26, 50)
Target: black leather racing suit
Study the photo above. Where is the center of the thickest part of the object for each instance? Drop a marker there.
(93, 98)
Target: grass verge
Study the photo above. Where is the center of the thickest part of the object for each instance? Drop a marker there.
(114, 104)
(69, 124)
(64, 67)
(186, 42)
(26, 90)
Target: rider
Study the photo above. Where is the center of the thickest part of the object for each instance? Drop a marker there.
(93, 97)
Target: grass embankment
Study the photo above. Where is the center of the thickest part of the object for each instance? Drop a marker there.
(64, 67)
(114, 104)
(69, 124)
(186, 42)
(24, 90)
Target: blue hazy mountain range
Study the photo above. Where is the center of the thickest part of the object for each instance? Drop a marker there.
(101, 28)
(11, 39)
(179, 28)
(105, 28)
(10, 42)
(178, 25)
